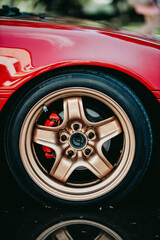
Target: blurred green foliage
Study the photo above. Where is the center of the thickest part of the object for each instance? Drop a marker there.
(95, 9)
(115, 12)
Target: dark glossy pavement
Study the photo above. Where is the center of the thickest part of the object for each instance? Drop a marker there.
(136, 217)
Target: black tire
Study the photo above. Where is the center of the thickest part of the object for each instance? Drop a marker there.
(113, 88)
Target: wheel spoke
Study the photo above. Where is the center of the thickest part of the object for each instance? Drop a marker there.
(62, 234)
(103, 236)
(108, 129)
(73, 109)
(62, 168)
(46, 136)
(100, 167)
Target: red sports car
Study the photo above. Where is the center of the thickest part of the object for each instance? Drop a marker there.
(79, 108)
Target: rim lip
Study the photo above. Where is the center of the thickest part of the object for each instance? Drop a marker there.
(60, 190)
(57, 226)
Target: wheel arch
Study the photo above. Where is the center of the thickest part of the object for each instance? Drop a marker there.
(147, 98)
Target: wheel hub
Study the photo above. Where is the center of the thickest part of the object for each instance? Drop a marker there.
(78, 140)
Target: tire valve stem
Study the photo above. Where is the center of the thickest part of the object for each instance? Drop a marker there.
(45, 109)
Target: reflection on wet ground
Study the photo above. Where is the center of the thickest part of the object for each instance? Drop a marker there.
(136, 217)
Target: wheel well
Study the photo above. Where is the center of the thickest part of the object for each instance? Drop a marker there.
(148, 99)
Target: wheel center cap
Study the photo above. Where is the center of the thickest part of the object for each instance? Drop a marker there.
(78, 140)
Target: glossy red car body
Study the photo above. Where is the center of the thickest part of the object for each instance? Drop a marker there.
(30, 47)
(79, 106)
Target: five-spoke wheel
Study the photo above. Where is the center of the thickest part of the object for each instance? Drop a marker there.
(81, 141)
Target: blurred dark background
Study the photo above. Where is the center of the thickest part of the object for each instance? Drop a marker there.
(115, 12)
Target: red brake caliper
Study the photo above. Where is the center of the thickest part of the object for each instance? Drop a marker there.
(54, 120)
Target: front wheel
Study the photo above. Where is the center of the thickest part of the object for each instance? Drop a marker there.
(78, 138)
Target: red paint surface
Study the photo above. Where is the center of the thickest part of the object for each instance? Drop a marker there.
(156, 94)
(29, 48)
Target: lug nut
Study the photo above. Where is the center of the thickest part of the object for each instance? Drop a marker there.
(91, 135)
(76, 126)
(70, 153)
(87, 151)
(63, 138)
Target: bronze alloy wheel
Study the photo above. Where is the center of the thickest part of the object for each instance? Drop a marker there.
(80, 145)
(78, 137)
